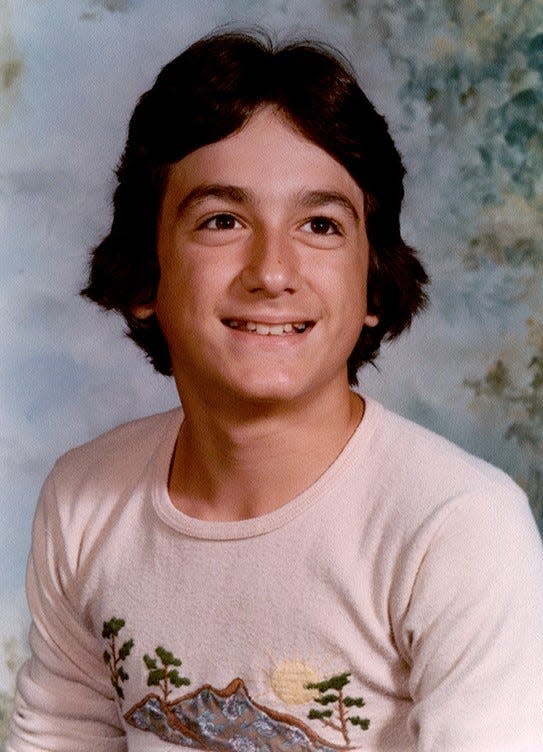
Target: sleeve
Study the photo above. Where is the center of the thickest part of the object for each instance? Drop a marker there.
(474, 629)
(63, 700)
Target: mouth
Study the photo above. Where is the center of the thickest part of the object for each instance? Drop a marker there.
(289, 328)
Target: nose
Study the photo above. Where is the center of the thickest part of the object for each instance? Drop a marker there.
(271, 267)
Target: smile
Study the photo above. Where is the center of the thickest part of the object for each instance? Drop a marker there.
(275, 330)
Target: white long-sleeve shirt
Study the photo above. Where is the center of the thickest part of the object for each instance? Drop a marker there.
(404, 588)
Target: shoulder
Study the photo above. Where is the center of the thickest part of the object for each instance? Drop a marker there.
(422, 477)
(451, 523)
(112, 464)
(418, 454)
(101, 487)
(122, 447)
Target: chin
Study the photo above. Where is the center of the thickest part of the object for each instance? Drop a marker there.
(274, 390)
(269, 385)
(269, 393)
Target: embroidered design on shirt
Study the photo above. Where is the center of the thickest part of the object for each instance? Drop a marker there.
(113, 658)
(229, 720)
(331, 693)
(289, 681)
(225, 720)
(164, 676)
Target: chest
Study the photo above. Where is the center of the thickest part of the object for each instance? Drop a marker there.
(280, 638)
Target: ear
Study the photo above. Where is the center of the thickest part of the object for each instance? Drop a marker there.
(143, 311)
(371, 320)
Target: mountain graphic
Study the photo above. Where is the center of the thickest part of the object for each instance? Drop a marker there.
(226, 720)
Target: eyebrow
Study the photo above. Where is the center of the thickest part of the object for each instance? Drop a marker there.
(213, 190)
(309, 199)
(314, 199)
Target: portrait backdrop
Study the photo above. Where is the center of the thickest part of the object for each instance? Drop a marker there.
(461, 85)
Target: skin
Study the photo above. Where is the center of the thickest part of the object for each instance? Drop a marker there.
(263, 226)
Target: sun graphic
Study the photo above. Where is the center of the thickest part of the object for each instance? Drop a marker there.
(288, 681)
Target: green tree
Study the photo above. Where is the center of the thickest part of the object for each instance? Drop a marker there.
(331, 693)
(114, 657)
(165, 675)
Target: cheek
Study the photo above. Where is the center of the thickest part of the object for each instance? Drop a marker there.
(354, 302)
(177, 287)
(173, 301)
(353, 287)
(187, 293)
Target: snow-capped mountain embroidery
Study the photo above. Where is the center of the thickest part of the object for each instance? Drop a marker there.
(229, 719)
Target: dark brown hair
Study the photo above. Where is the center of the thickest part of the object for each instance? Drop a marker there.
(207, 93)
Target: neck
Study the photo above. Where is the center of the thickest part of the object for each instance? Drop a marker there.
(233, 467)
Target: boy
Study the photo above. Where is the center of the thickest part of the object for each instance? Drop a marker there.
(285, 565)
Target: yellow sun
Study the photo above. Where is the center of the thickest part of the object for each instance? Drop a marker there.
(289, 679)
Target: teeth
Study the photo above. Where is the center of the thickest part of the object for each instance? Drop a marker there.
(267, 329)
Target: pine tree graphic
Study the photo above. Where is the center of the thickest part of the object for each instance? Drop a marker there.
(164, 676)
(331, 693)
(113, 658)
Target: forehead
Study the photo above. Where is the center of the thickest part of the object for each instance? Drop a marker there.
(269, 158)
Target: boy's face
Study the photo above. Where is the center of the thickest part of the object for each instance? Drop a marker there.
(263, 260)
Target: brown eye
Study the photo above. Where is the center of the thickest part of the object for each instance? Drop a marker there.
(322, 226)
(221, 222)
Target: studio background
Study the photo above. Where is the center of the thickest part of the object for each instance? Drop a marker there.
(460, 83)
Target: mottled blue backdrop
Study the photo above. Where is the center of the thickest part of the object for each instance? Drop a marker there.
(461, 85)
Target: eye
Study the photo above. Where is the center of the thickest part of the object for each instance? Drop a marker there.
(321, 226)
(220, 222)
